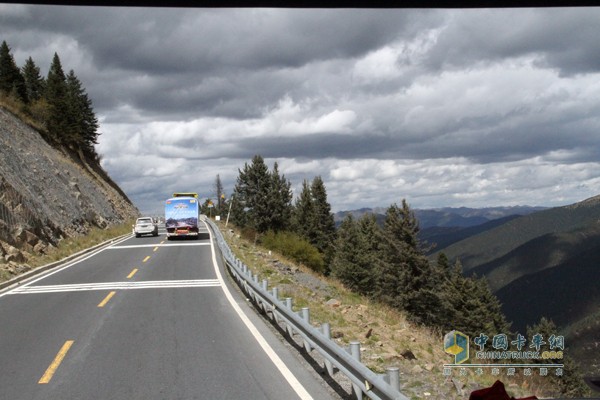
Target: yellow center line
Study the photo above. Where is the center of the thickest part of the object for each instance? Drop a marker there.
(163, 242)
(156, 248)
(132, 273)
(146, 259)
(57, 360)
(106, 299)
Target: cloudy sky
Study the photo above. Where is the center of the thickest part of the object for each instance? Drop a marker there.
(441, 107)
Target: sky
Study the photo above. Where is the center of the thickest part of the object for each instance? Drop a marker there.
(441, 107)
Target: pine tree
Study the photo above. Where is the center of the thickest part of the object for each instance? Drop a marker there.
(370, 235)
(323, 223)
(34, 82)
(347, 264)
(12, 82)
(280, 201)
(571, 383)
(405, 278)
(81, 119)
(262, 199)
(303, 213)
(467, 303)
(56, 96)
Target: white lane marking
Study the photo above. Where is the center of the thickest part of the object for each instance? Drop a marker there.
(67, 265)
(117, 286)
(287, 374)
(133, 246)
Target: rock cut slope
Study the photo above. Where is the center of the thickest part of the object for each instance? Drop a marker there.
(46, 195)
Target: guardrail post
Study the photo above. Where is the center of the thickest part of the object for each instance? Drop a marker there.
(288, 304)
(306, 318)
(355, 353)
(276, 297)
(326, 328)
(393, 377)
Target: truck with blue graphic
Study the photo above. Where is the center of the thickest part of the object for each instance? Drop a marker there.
(182, 215)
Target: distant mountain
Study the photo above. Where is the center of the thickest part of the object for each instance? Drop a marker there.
(544, 264)
(443, 226)
(495, 243)
(448, 217)
(442, 237)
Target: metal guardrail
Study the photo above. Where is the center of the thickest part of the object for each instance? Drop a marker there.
(364, 381)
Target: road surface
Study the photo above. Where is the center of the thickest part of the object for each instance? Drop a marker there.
(145, 319)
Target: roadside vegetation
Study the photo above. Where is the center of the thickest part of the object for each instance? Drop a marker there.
(381, 266)
(387, 336)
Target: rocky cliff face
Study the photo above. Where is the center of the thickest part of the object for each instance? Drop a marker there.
(45, 195)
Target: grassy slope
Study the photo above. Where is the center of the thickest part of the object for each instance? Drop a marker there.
(391, 333)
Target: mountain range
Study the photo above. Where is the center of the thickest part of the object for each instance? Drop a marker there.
(538, 261)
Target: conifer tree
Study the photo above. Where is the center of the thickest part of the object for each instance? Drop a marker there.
(467, 303)
(34, 82)
(56, 96)
(323, 224)
(303, 213)
(280, 201)
(347, 264)
(262, 199)
(571, 383)
(251, 194)
(81, 119)
(11, 79)
(405, 276)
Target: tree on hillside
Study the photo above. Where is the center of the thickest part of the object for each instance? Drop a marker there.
(404, 278)
(323, 222)
(467, 303)
(261, 199)
(357, 254)
(571, 383)
(280, 200)
(347, 266)
(34, 82)
(303, 213)
(56, 96)
(12, 82)
(81, 120)
(312, 218)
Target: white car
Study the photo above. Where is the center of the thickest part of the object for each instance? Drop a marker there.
(145, 226)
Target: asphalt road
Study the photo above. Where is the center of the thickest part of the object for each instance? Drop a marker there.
(145, 319)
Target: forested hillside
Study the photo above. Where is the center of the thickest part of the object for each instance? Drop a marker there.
(544, 265)
(51, 183)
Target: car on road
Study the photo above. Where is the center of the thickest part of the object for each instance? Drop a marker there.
(145, 226)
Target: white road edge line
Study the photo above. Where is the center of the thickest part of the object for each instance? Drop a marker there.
(287, 374)
(58, 269)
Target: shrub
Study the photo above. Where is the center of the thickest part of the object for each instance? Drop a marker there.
(293, 246)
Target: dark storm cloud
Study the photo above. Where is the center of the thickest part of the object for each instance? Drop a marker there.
(171, 41)
(441, 105)
(564, 39)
